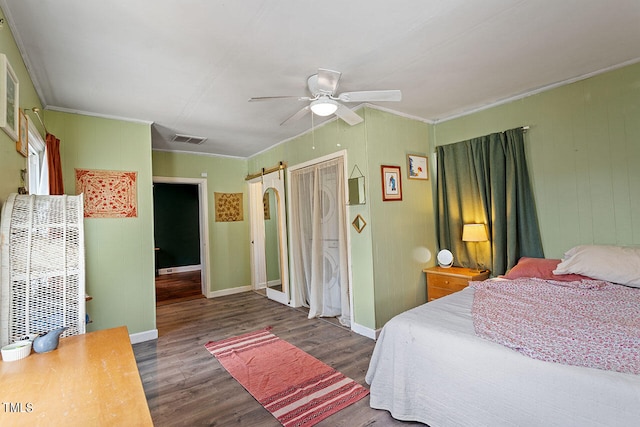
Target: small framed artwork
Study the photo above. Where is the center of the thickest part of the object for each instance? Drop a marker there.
(9, 85)
(417, 167)
(22, 144)
(391, 183)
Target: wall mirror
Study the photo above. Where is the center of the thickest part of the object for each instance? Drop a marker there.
(356, 191)
(272, 242)
(359, 223)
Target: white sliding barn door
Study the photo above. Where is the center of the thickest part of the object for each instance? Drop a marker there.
(270, 268)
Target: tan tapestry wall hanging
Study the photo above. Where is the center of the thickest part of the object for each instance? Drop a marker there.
(228, 207)
(108, 194)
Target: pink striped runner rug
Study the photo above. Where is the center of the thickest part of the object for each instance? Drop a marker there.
(295, 387)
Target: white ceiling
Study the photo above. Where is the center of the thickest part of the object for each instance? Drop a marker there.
(190, 66)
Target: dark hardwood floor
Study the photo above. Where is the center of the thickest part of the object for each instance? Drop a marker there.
(185, 385)
(178, 287)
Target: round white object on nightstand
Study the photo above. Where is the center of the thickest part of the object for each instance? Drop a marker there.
(445, 258)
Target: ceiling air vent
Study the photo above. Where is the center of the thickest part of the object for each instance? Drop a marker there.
(189, 139)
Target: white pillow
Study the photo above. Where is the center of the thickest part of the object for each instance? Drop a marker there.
(615, 264)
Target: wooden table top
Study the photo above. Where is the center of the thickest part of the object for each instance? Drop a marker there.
(90, 379)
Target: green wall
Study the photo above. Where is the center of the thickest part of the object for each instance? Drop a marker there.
(583, 149)
(403, 232)
(390, 253)
(119, 251)
(11, 162)
(229, 260)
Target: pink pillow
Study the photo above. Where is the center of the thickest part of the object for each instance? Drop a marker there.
(541, 268)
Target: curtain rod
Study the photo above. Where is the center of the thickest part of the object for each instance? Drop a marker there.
(524, 130)
(264, 171)
(36, 110)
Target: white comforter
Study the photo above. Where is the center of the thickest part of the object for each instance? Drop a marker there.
(428, 365)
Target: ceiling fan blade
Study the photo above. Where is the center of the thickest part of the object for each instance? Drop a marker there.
(269, 98)
(349, 116)
(371, 95)
(298, 115)
(328, 80)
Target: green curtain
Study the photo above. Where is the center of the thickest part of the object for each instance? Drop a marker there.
(485, 180)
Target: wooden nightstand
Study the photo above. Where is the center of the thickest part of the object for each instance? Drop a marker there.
(444, 281)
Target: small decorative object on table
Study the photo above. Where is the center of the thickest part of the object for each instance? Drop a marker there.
(474, 233)
(16, 351)
(445, 258)
(48, 342)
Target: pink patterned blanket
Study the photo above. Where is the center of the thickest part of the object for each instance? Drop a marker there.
(589, 323)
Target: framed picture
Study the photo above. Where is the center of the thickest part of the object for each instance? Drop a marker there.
(22, 144)
(9, 86)
(417, 167)
(391, 183)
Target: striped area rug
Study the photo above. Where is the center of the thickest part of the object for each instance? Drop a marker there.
(297, 388)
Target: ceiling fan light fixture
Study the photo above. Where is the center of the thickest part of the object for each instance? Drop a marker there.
(324, 106)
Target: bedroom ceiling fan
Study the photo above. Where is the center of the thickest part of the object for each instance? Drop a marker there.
(324, 101)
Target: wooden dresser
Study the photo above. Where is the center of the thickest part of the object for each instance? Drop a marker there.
(444, 281)
(89, 380)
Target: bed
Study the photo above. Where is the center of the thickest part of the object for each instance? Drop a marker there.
(429, 365)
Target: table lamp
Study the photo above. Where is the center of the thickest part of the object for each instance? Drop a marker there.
(474, 233)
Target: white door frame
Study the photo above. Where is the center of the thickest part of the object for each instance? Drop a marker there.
(203, 207)
(342, 153)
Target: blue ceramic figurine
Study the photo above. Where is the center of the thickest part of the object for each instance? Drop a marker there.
(49, 341)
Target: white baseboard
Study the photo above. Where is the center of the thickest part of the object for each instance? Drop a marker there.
(143, 336)
(231, 291)
(364, 331)
(181, 269)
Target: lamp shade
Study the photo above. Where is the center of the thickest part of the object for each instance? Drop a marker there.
(324, 106)
(474, 233)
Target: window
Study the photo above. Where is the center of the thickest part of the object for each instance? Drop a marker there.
(37, 171)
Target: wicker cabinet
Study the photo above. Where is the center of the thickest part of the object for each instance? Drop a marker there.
(444, 281)
(42, 277)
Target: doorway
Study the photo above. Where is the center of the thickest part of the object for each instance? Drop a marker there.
(319, 236)
(180, 283)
